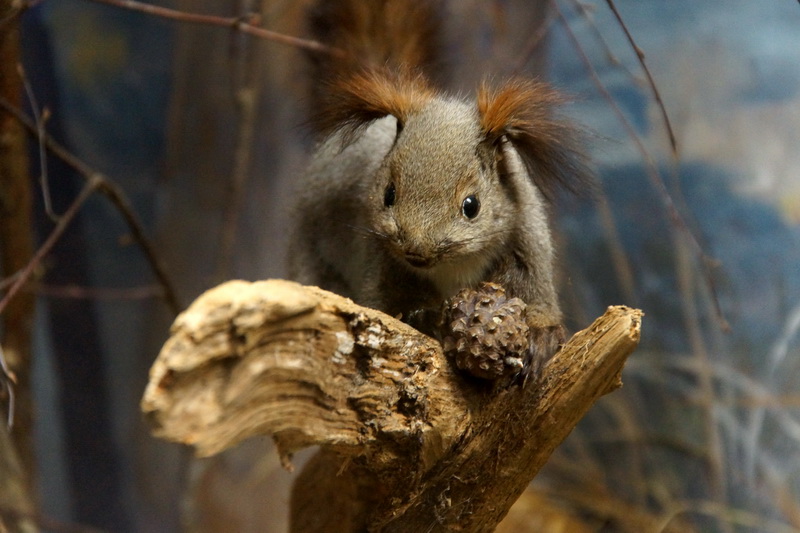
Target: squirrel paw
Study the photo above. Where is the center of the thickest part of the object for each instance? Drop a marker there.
(544, 342)
(426, 320)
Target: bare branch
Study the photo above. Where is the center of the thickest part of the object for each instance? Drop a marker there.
(536, 39)
(408, 443)
(98, 293)
(95, 181)
(656, 94)
(235, 23)
(40, 118)
(63, 223)
(585, 10)
(247, 89)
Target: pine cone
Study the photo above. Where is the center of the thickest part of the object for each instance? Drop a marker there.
(486, 332)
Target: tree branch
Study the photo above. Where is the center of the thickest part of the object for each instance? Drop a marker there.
(237, 23)
(408, 443)
(94, 181)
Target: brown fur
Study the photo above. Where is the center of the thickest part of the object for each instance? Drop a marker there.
(375, 34)
(354, 102)
(525, 112)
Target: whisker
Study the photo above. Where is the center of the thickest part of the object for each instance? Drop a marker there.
(484, 238)
(366, 231)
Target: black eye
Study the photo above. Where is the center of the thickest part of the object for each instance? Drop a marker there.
(388, 195)
(470, 206)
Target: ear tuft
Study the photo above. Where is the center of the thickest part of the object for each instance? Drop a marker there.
(354, 102)
(525, 111)
(377, 33)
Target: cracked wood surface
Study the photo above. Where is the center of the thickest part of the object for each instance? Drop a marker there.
(407, 442)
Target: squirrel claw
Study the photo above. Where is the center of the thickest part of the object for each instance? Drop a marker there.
(544, 342)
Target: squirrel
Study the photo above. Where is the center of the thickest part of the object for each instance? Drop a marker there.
(415, 194)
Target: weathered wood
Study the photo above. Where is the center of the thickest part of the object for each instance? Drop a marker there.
(408, 443)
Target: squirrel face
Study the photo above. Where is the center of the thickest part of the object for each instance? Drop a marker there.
(438, 203)
(461, 183)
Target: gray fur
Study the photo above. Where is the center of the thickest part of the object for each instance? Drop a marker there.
(347, 241)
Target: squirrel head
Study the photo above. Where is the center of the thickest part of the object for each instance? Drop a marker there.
(459, 175)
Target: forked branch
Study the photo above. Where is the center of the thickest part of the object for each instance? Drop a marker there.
(407, 442)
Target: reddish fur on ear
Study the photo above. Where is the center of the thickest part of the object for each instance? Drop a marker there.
(354, 102)
(525, 112)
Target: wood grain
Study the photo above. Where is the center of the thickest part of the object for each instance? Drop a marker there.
(407, 442)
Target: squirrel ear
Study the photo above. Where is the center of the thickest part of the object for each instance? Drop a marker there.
(354, 102)
(524, 111)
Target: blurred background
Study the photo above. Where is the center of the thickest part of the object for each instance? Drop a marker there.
(202, 127)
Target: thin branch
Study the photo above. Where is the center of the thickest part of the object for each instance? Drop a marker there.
(706, 393)
(611, 57)
(236, 23)
(63, 223)
(535, 39)
(7, 282)
(39, 119)
(656, 94)
(97, 293)
(247, 88)
(619, 257)
(95, 181)
(118, 198)
(652, 172)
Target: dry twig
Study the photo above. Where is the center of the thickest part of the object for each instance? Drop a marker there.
(95, 182)
(650, 81)
(236, 23)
